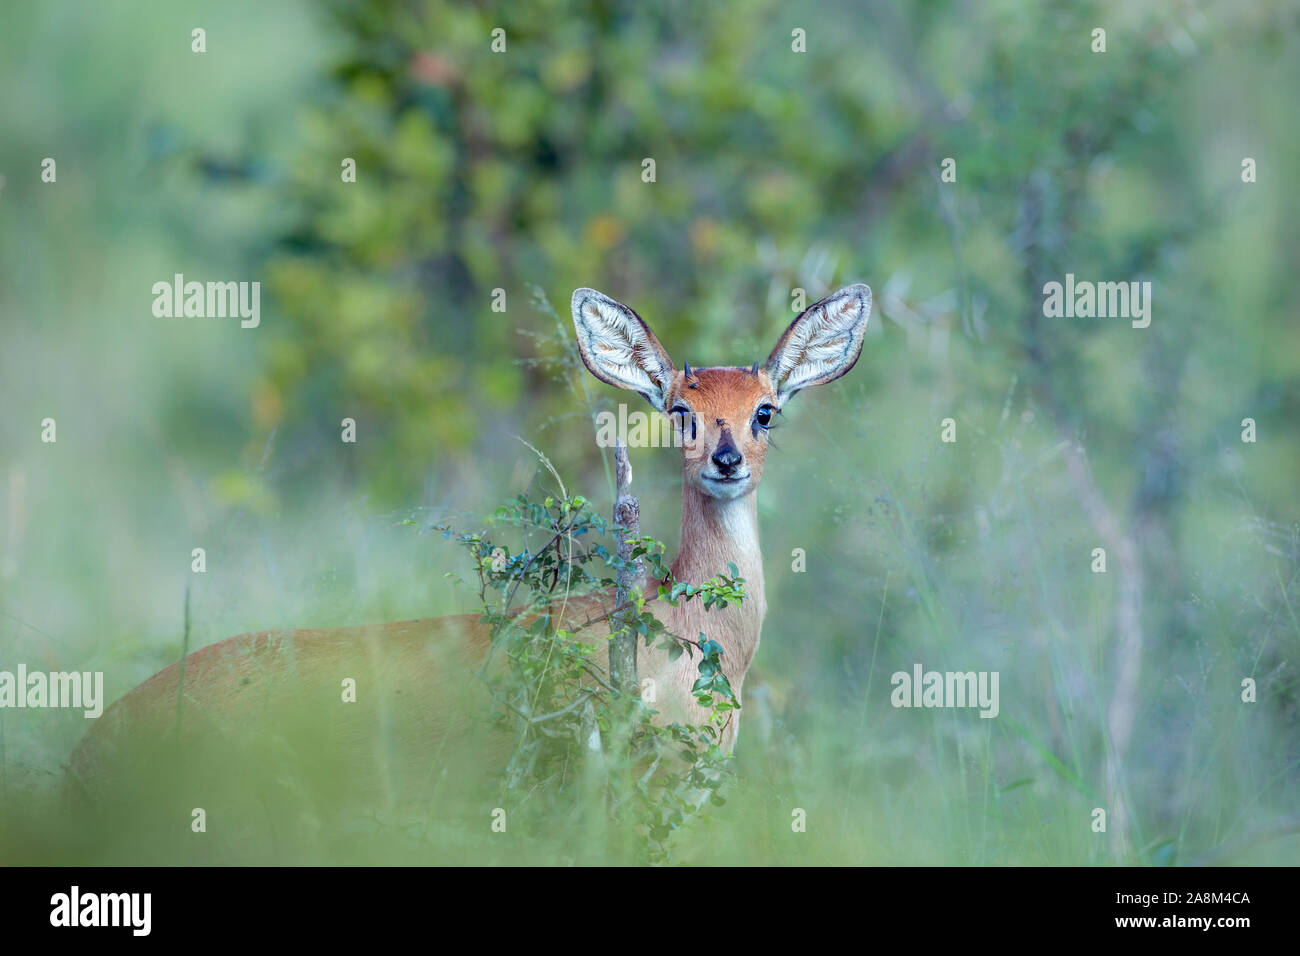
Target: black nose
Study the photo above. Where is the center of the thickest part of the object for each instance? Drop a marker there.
(726, 458)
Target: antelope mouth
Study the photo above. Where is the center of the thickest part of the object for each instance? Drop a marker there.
(726, 487)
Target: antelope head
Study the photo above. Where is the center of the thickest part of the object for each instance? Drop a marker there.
(722, 414)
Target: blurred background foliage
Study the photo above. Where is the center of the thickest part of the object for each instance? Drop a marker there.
(775, 171)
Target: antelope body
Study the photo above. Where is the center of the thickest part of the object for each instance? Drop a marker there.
(417, 705)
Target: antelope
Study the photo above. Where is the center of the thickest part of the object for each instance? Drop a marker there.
(413, 675)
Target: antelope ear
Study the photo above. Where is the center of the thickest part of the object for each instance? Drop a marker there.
(822, 344)
(619, 348)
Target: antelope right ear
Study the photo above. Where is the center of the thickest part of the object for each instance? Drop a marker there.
(822, 344)
(619, 348)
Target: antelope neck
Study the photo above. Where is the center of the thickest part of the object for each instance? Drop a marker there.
(717, 531)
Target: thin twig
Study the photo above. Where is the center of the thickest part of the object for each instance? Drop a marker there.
(576, 702)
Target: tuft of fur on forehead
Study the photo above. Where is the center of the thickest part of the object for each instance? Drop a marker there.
(723, 386)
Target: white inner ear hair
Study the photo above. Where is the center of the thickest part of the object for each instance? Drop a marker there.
(617, 342)
(822, 343)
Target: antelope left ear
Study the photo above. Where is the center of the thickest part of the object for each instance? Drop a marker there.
(822, 344)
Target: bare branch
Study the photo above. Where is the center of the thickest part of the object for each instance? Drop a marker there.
(627, 516)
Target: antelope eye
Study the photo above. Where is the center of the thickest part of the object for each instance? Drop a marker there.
(683, 411)
(764, 416)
